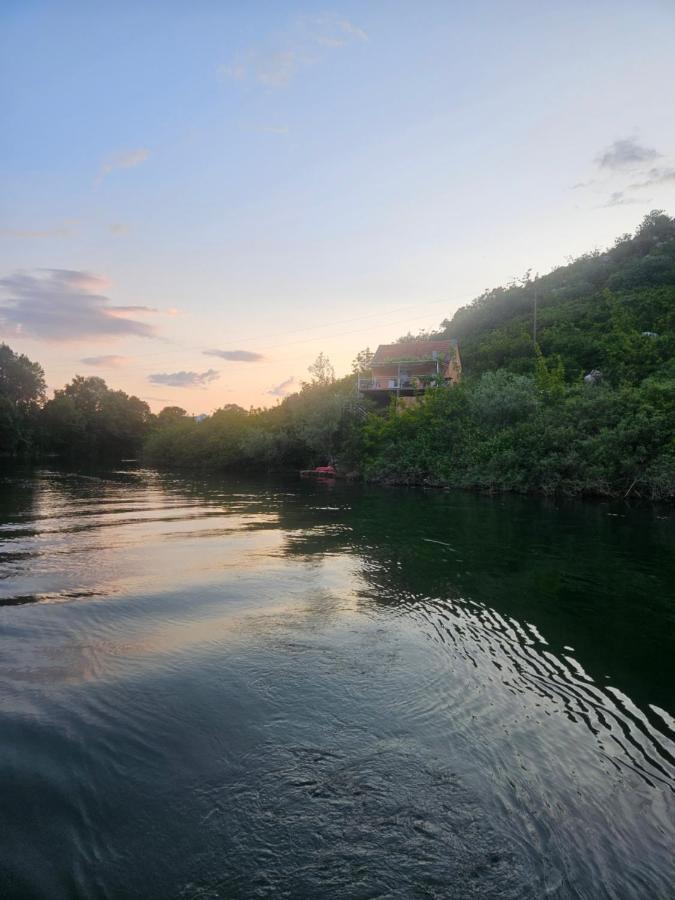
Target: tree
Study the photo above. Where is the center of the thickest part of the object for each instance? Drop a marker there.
(362, 360)
(321, 370)
(22, 381)
(22, 391)
(170, 414)
(87, 420)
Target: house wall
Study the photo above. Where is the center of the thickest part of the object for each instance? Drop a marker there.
(382, 374)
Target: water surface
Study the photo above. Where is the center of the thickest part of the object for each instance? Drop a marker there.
(218, 688)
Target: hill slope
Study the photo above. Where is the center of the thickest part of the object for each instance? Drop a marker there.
(593, 312)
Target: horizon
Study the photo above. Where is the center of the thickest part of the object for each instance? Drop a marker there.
(199, 203)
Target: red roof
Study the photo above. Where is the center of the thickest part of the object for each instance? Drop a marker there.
(414, 350)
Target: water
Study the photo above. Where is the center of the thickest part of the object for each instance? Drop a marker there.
(216, 688)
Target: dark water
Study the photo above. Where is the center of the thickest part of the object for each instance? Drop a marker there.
(225, 689)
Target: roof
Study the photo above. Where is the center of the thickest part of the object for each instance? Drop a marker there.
(414, 351)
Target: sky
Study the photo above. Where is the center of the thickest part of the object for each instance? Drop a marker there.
(196, 199)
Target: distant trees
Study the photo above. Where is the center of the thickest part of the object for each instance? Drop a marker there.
(421, 335)
(170, 415)
(88, 420)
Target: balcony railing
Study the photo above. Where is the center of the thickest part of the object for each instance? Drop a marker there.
(387, 384)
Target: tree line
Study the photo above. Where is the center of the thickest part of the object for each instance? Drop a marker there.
(524, 417)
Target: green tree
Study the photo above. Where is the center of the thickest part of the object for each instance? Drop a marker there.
(170, 414)
(362, 360)
(87, 420)
(22, 391)
(321, 370)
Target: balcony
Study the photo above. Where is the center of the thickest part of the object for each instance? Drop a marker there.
(389, 384)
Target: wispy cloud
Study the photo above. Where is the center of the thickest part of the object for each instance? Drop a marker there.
(65, 229)
(626, 153)
(185, 379)
(138, 310)
(235, 355)
(108, 361)
(618, 198)
(273, 69)
(655, 177)
(118, 228)
(332, 30)
(305, 44)
(277, 69)
(65, 305)
(128, 159)
(284, 388)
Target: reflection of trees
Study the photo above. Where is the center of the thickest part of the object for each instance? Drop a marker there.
(581, 575)
(18, 494)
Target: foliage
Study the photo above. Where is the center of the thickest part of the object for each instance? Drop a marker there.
(503, 432)
(321, 370)
(88, 420)
(308, 428)
(362, 360)
(592, 312)
(22, 390)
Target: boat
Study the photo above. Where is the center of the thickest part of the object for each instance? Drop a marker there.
(320, 472)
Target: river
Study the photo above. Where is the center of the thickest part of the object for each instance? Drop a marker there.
(212, 687)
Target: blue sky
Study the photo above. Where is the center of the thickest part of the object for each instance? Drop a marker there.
(281, 179)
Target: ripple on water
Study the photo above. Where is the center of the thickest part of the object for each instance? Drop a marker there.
(268, 692)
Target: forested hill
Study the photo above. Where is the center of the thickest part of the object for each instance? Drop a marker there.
(593, 312)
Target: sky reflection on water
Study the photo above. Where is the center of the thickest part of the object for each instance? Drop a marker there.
(218, 688)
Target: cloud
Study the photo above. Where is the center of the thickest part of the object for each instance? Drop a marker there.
(185, 379)
(274, 69)
(235, 355)
(625, 153)
(66, 229)
(129, 159)
(65, 305)
(109, 361)
(332, 30)
(305, 44)
(618, 198)
(655, 176)
(284, 388)
(138, 310)
(118, 228)
(277, 69)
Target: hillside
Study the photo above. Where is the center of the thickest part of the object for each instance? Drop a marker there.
(593, 312)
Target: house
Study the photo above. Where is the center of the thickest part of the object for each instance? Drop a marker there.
(408, 369)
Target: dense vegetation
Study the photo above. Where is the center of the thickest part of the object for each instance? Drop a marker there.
(86, 421)
(523, 418)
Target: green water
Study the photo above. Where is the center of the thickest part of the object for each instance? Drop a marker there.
(222, 688)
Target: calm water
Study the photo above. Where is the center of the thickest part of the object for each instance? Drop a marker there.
(213, 688)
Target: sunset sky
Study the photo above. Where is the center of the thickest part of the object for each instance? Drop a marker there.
(198, 198)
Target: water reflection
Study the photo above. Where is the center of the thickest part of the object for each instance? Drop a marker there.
(340, 690)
